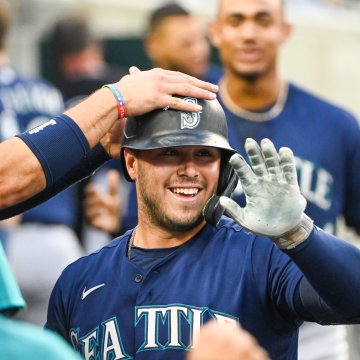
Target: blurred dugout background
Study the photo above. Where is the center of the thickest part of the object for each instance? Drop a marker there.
(323, 54)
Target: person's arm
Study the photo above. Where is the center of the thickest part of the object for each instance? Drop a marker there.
(275, 208)
(41, 159)
(82, 170)
(329, 293)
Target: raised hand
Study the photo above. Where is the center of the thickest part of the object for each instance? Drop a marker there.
(144, 91)
(103, 209)
(274, 204)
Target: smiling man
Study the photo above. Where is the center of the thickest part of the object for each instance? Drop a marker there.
(147, 294)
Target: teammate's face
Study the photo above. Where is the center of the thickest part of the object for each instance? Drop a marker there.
(248, 34)
(174, 184)
(180, 43)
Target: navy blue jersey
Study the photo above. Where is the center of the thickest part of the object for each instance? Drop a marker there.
(108, 307)
(326, 143)
(24, 104)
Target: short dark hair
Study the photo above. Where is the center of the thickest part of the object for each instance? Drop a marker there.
(163, 12)
(70, 35)
(5, 19)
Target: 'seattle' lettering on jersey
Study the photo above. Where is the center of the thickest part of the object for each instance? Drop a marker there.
(226, 274)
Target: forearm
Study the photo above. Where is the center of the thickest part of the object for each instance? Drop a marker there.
(329, 264)
(311, 307)
(85, 168)
(21, 174)
(95, 115)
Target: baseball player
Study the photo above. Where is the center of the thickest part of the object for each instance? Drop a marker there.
(48, 158)
(147, 294)
(325, 138)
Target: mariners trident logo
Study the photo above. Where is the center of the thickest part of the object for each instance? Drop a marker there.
(190, 120)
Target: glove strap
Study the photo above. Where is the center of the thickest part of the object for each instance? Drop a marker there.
(296, 236)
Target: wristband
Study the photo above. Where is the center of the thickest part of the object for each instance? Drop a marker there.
(119, 100)
(296, 236)
(59, 145)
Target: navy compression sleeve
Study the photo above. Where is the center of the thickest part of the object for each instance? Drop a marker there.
(331, 267)
(83, 169)
(59, 145)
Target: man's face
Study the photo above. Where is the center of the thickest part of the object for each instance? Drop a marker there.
(174, 184)
(180, 43)
(248, 34)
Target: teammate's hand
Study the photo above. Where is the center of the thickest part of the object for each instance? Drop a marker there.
(225, 342)
(274, 204)
(103, 209)
(144, 91)
(111, 142)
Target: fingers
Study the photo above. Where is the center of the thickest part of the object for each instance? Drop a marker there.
(145, 91)
(264, 159)
(271, 158)
(113, 179)
(188, 90)
(287, 163)
(103, 210)
(179, 77)
(233, 209)
(243, 170)
(133, 70)
(256, 157)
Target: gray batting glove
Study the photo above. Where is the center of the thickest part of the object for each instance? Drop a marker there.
(274, 204)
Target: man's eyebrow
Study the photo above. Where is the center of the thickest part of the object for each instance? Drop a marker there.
(238, 14)
(263, 13)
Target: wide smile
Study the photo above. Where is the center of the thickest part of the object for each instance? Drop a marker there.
(185, 193)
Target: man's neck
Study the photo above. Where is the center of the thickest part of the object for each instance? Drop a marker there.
(150, 236)
(252, 95)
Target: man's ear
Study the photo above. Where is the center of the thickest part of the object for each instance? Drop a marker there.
(213, 31)
(153, 47)
(130, 162)
(287, 31)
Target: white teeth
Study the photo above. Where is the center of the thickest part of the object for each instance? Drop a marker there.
(187, 191)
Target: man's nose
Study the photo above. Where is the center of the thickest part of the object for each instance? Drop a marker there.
(188, 169)
(248, 30)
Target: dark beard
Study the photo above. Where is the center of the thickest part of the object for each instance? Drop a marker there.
(155, 215)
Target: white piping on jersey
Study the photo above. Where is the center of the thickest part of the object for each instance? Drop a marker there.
(252, 115)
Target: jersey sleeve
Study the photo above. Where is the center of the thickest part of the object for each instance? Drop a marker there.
(330, 266)
(276, 278)
(56, 316)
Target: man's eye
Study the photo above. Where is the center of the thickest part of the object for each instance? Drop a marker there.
(264, 21)
(169, 152)
(234, 21)
(204, 153)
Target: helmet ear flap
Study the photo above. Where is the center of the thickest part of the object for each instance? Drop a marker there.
(228, 181)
